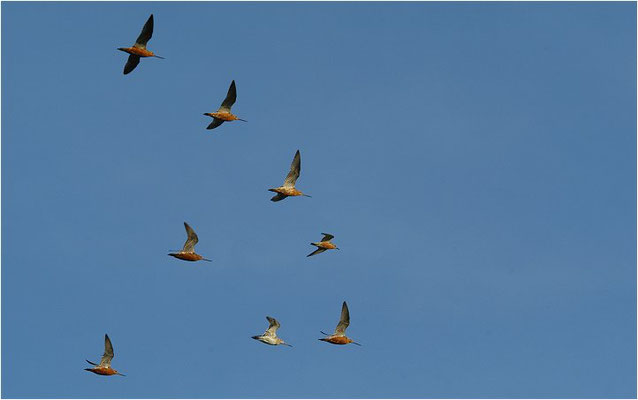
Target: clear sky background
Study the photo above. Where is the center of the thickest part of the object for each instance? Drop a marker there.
(475, 162)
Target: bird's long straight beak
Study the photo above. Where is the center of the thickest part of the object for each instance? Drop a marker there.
(356, 343)
(324, 333)
(159, 57)
(206, 259)
(243, 120)
(337, 248)
(120, 374)
(307, 195)
(286, 344)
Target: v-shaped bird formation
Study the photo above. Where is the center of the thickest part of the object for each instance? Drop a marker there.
(187, 253)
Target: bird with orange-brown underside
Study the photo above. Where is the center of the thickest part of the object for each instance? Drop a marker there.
(188, 252)
(288, 188)
(323, 245)
(139, 48)
(339, 337)
(104, 367)
(223, 113)
(270, 336)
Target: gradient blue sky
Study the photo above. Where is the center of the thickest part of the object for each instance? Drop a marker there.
(476, 163)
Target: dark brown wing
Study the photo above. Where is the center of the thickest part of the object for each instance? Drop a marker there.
(189, 246)
(295, 169)
(326, 237)
(216, 122)
(108, 352)
(230, 99)
(344, 321)
(145, 35)
(319, 250)
(278, 197)
(132, 62)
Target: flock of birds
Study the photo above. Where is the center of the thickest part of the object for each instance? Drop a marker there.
(223, 114)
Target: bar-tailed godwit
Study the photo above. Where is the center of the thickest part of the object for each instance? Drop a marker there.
(139, 48)
(270, 336)
(323, 245)
(223, 113)
(288, 188)
(339, 336)
(104, 367)
(188, 252)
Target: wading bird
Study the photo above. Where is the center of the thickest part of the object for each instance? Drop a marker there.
(270, 336)
(288, 188)
(139, 48)
(323, 245)
(188, 252)
(339, 337)
(104, 368)
(223, 113)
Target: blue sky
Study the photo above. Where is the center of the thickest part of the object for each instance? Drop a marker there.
(476, 163)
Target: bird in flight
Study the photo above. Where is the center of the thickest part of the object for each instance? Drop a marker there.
(339, 336)
(270, 336)
(323, 245)
(188, 252)
(104, 367)
(223, 113)
(139, 48)
(288, 188)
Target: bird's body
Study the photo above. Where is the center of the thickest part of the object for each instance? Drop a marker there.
(139, 48)
(188, 251)
(270, 336)
(136, 51)
(286, 191)
(102, 370)
(104, 367)
(336, 339)
(223, 114)
(187, 256)
(339, 335)
(288, 188)
(323, 245)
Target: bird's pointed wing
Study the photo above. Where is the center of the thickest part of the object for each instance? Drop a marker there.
(295, 168)
(216, 122)
(108, 352)
(326, 237)
(132, 62)
(230, 99)
(272, 328)
(344, 321)
(189, 246)
(278, 197)
(145, 35)
(319, 250)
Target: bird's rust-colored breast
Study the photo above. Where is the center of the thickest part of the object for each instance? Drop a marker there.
(103, 371)
(223, 116)
(287, 191)
(138, 52)
(336, 340)
(187, 256)
(326, 245)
